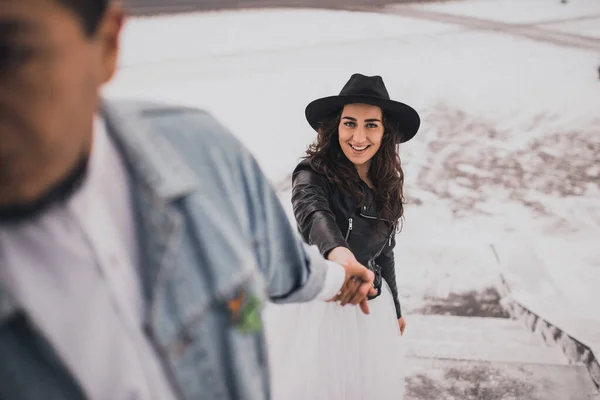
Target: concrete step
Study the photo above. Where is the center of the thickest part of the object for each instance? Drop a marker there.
(432, 379)
(500, 352)
(470, 330)
(477, 339)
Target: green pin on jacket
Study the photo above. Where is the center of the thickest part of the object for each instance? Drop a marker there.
(245, 313)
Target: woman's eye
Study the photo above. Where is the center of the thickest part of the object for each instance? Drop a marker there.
(350, 124)
(371, 126)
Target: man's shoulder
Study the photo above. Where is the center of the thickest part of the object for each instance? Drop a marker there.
(193, 132)
(177, 120)
(172, 140)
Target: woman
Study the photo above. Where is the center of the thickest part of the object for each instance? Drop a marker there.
(347, 200)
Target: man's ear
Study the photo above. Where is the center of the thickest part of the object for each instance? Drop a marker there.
(108, 35)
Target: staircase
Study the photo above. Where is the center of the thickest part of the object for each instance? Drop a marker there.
(457, 357)
(475, 358)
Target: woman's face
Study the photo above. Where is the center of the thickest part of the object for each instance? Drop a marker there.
(360, 132)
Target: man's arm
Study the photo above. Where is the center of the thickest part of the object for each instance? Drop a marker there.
(294, 271)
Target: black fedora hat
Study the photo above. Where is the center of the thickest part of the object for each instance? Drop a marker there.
(365, 90)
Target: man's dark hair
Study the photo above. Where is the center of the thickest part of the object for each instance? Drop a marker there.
(89, 12)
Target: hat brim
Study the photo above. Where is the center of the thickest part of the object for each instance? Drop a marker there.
(408, 119)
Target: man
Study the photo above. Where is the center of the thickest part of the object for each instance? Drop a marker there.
(137, 241)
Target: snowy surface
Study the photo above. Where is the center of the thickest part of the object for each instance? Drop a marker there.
(189, 36)
(517, 11)
(509, 145)
(588, 27)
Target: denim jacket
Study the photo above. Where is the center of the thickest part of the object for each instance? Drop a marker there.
(215, 245)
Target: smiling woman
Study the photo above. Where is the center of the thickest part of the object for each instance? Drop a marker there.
(347, 199)
(358, 117)
(360, 132)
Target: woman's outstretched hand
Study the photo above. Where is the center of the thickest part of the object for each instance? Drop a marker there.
(359, 280)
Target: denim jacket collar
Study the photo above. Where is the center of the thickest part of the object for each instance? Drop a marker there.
(151, 159)
(158, 177)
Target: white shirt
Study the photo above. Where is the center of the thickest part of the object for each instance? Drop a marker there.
(75, 272)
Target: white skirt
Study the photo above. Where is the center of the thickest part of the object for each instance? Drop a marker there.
(322, 351)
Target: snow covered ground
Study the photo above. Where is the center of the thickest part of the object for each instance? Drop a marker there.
(518, 11)
(510, 141)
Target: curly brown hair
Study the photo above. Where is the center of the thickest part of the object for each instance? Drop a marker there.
(326, 157)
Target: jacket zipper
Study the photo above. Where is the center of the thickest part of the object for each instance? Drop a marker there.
(393, 229)
(349, 229)
(367, 216)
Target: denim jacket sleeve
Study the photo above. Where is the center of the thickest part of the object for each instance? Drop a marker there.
(294, 272)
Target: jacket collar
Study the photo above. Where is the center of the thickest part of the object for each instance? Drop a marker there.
(152, 161)
(151, 158)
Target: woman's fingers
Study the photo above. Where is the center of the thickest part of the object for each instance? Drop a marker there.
(362, 292)
(351, 287)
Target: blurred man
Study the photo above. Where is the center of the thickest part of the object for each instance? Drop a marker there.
(137, 242)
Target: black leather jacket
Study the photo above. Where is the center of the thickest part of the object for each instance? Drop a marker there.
(328, 218)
